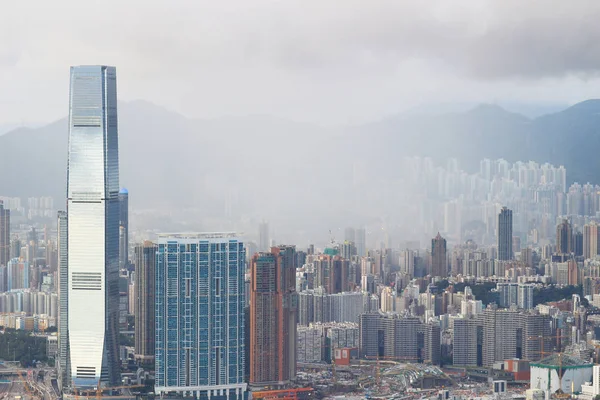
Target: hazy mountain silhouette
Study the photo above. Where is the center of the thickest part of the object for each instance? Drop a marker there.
(280, 165)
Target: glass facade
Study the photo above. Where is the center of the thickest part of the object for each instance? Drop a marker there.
(200, 316)
(93, 227)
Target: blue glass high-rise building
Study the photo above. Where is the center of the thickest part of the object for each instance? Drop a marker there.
(200, 316)
(93, 228)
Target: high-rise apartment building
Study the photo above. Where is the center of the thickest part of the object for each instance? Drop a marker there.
(5, 235)
(17, 274)
(439, 264)
(93, 227)
(468, 341)
(64, 373)
(145, 265)
(123, 228)
(200, 296)
(564, 238)
(590, 240)
(273, 317)
(505, 235)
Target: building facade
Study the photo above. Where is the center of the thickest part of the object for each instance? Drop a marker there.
(200, 296)
(123, 228)
(93, 227)
(439, 265)
(564, 238)
(145, 284)
(64, 373)
(505, 233)
(273, 308)
(4, 235)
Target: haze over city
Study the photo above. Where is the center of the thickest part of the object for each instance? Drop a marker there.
(297, 200)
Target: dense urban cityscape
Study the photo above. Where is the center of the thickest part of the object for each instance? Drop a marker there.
(426, 256)
(504, 299)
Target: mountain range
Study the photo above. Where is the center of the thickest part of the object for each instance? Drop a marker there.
(168, 160)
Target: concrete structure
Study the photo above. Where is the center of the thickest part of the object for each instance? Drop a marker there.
(564, 238)
(273, 317)
(4, 235)
(145, 292)
(93, 227)
(200, 298)
(590, 240)
(439, 264)
(505, 229)
(575, 373)
(468, 342)
(400, 338)
(591, 389)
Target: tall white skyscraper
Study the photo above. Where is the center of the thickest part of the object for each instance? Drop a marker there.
(93, 227)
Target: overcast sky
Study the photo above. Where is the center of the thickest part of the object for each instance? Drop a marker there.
(327, 61)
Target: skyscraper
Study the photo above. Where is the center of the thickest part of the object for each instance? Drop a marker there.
(123, 228)
(263, 236)
(145, 265)
(200, 316)
(5, 235)
(93, 227)
(273, 317)
(564, 238)
(505, 229)
(439, 266)
(64, 374)
(590, 240)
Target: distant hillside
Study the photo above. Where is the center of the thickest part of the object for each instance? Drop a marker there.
(275, 164)
(570, 137)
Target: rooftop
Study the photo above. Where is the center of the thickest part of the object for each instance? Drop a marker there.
(198, 235)
(564, 360)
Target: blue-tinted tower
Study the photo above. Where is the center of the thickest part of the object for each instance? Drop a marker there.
(200, 316)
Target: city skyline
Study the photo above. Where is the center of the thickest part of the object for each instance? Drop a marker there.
(328, 200)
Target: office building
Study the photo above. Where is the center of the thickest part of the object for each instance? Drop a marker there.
(93, 227)
(145, 265)
(505, 234)
(200, 297)
(64, 372)
(123, 228)
(564, 238)
(439, 265)
(273, 318)
(5, 235)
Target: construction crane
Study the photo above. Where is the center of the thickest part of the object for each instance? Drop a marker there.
(26, 384)
(542, 352)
